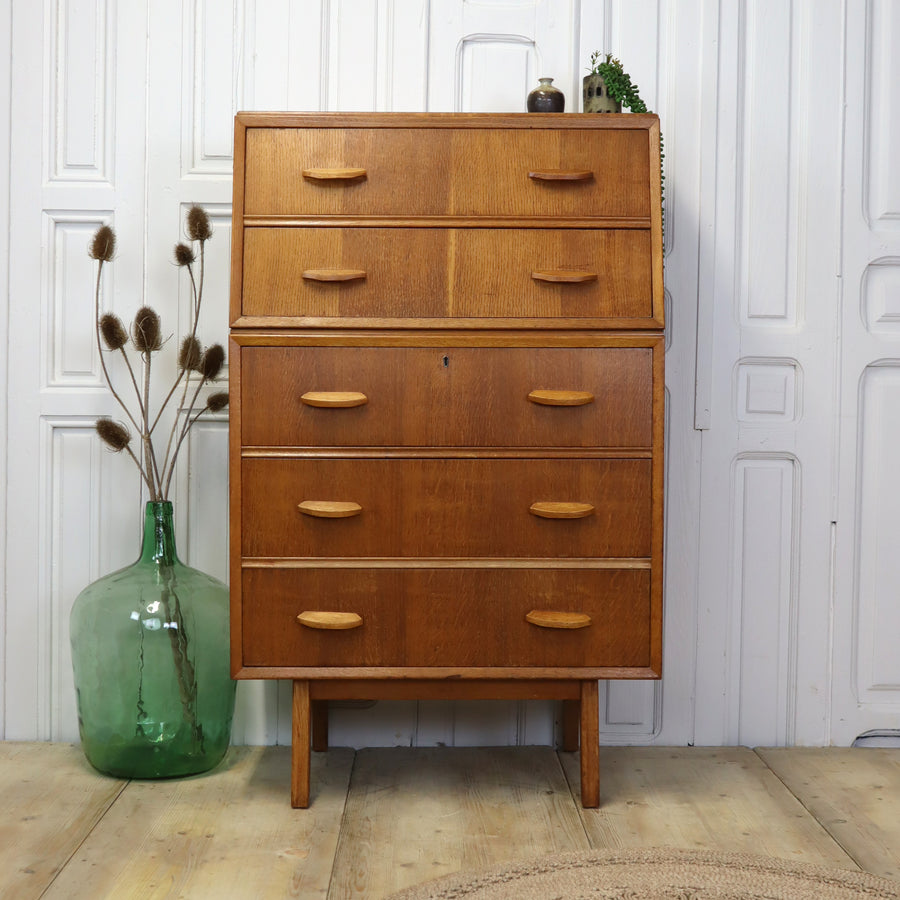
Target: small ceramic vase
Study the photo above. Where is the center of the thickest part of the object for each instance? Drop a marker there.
(545, 98)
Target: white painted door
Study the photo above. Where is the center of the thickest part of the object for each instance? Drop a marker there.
(867, 583)
(767, 373)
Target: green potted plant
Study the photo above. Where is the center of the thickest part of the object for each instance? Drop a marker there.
(608, 87)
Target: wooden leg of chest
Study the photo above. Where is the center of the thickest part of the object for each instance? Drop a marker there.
(320, 725)
(590, 745)
(300, 738)
(571, 725)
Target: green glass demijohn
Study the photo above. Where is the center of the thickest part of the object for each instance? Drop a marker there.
(151, 664)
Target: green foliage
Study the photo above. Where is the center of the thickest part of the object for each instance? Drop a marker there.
(618, 82)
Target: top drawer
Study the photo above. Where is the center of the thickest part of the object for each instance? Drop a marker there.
(398, 171)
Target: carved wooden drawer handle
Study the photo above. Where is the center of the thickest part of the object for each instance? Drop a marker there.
(561, 174)
(341, 399)
(329, 621)
(348, 174)
(564, 276)
(334, 274)
(551, 618)
(329, 509)
(561, 398)
(549, 509)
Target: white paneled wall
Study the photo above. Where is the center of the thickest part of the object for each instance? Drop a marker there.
(866, 575)
(766, 375)
(782, 290)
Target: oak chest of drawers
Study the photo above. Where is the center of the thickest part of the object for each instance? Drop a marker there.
(447, 410)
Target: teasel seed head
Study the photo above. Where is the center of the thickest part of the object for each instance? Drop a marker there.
(212, 363)
(145, 331)
(115, 336)
(217, 401)
(184, 256)
(103, 245)
(198, 226)
(190, 355)
(114, 434)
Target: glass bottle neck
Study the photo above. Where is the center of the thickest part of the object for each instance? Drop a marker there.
(159, 534)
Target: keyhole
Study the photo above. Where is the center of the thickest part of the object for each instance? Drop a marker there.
(446, 361)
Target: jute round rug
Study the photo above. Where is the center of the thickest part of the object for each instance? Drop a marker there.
(655, 875)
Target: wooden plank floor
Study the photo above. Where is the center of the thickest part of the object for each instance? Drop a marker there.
(384, 819)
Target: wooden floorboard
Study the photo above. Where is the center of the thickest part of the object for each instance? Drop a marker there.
(50, 800)
(417, 814)
(854, 792)
(719, 799)
(381, 820)
(230, 833)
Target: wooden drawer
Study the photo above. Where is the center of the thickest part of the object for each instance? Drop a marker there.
(446, 272)
(447, 397)
(446, 617)
(446, 507)
(464, 172)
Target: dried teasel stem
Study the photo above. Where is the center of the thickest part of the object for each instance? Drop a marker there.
(116, 436)
(103, 245)
(114, 333)
(216, 403)
(146, 338)
(102, 249)
(209, 368)
(198, 226)
(146, 332)
(198, 229)
(189, 357)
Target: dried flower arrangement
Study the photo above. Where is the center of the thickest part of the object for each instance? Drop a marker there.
(146, 339)
(126, 625)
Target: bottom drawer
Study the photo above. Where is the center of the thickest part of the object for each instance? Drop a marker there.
(446, 617)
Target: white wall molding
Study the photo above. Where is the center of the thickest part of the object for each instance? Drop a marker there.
(876, 621)
(80, 111)
(881, 196)
(69, 348)
(879, 294)
(765, 568)
(213, 78)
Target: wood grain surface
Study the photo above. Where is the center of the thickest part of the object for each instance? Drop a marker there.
(473, 272)
(482, 394)
(722, 798)
(431, 171)
(231, 833)
(51, 800)
(408, 815)
(413, 815)
(854, 792)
